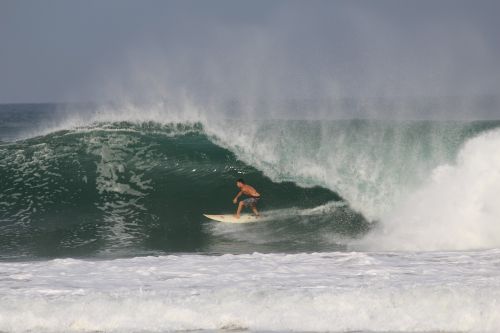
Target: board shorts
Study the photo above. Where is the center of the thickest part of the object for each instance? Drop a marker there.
(251, 201)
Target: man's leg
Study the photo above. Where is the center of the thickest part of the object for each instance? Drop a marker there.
(240, 207)
(254, 209)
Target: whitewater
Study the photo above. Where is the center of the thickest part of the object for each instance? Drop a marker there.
(337, 292)
(378, 226)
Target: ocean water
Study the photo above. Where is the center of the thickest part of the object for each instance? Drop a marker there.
(374, 225)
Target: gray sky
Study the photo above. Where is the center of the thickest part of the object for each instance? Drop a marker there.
(93, 50)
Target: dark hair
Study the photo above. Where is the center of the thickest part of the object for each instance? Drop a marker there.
(240, 180)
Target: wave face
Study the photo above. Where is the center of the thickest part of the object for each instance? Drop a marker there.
(117, 182)
(140, 188)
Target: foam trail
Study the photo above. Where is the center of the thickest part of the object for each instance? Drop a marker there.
(333, 292)
(457, 208)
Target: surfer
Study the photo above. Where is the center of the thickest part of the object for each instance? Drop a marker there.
(251, 193)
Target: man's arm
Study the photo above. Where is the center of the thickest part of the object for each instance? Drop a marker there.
(235, 200)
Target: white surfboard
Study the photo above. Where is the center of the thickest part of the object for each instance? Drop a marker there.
(230, 218)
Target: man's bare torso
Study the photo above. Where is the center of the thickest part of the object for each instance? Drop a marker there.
(249, 191)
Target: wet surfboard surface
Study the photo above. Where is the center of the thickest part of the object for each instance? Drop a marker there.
(230, 218)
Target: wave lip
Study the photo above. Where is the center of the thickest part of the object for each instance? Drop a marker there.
(274, 292)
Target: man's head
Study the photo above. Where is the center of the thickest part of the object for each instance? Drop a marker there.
(240, 182)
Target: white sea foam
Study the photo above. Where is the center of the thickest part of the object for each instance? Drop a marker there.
(457, 208)
(276, 292)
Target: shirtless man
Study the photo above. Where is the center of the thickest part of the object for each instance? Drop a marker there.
(251, 193)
